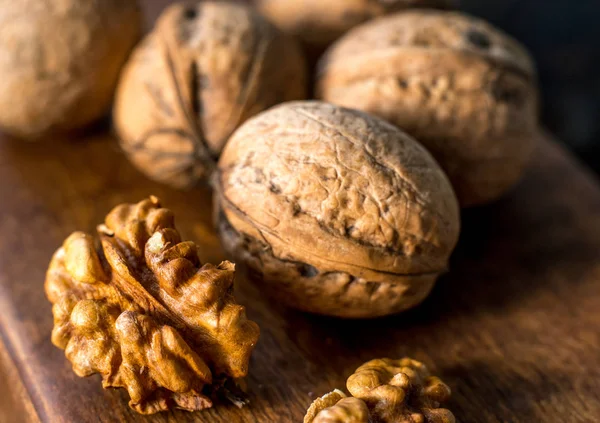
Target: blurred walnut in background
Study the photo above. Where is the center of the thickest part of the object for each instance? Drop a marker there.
(320, 22)
(465, 90)
(60, 61)
(202, 71)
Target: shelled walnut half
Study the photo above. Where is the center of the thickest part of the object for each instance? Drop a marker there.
(140, 309)
(386, 391)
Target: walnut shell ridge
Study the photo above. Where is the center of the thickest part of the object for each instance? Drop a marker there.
(465, 90)
(386, 391)
(318, 23)
(138, 308)
(334, 211)
(202, 71)
(61, 60)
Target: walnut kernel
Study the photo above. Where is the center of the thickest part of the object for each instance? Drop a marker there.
(139, 309)
(386, 391)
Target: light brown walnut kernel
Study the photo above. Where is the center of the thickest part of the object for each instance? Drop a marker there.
(386, 391)
(202, 71)
(335, 407)
(61, 60)
(462, 88)
(140, 309)
(401, 391)
(326, 401)
(335, 211)
(318, 23)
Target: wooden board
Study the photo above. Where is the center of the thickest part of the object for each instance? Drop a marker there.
(514, 328)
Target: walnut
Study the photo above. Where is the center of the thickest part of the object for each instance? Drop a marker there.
(459, 86)
(318, 23)
(61, 60)
(139, 309)
(386, 391)
(334, 211)
(202, 71)
(401, 391)
(335, 407)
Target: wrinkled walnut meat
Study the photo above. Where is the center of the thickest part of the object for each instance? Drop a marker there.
(318, 22)
(334, 211)
(202, 71)
(335, 407)
(386, 391)
(462, 88)
(139, 309)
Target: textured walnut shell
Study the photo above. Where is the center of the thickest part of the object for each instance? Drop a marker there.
(386, 391)
(335, 211)
(138, 308)
(202, 71)
(318, 23)
(61, 60)
(462, 88)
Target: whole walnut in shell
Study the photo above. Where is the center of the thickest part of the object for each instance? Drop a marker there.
(386, 391)
(140, 309)
(202, 71)
(335, 211)
(60, 61)
(318, 23)
(459, 86)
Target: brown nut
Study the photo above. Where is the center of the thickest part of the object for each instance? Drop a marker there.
(401, 391)
(61, 60)
(461, 87)
(386, 391)
(202, 71)
(335, 211)
(335, 407)
(139, 309)
(318, 23)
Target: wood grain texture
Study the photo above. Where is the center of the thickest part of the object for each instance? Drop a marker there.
(15, 403)
(514, 328)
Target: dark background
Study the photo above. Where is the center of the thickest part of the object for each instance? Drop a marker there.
(564, 38)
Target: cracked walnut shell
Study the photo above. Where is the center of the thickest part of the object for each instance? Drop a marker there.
(202, 71)
(386, 391)
(138, 308)
(336, 212)
(61, 60)
(464, 89)
(318, 23)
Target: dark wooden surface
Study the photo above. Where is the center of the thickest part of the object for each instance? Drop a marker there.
(514, 328)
